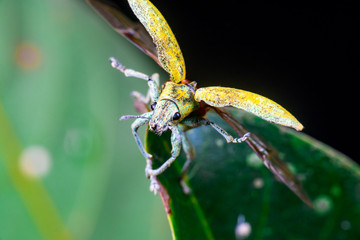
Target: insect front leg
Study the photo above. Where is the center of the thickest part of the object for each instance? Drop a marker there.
(140, 120)
(153, 81)
(146, 99)
(175, 151)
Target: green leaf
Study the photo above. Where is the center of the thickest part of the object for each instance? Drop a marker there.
(234, 196)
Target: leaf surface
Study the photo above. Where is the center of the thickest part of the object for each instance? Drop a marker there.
(234, 196)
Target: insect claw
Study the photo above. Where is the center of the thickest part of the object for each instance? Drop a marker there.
(246, 135)
(154, 185)
(242, 139)
(135, 94)
(116, 64)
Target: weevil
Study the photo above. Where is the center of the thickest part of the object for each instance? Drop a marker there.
(179, 105)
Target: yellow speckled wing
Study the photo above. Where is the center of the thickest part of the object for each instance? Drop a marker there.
(250, 102)
(169, 52)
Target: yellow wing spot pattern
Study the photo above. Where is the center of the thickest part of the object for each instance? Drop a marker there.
(169, 52)
(250, 102)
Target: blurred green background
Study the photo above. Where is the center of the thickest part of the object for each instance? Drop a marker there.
(69, 169)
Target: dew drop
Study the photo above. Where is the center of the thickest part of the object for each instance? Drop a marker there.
(345, 225)
(77, 142)
(27, 56)
(219, 142)
(35, 161)
(258, 183)
(323, 204)
(254, 161)
(243, 228)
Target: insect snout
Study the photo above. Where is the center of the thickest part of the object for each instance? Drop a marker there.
(158, 126)
(153, 126)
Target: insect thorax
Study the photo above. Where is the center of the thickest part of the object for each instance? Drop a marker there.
(182, 95)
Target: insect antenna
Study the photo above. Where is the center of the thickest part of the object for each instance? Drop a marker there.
(126, 117)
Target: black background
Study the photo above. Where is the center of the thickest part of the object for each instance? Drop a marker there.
(301, 55)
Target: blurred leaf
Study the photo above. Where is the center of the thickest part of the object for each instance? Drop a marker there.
(234, 196)
(68, 167)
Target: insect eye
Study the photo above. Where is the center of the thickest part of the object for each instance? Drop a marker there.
(152, 106)
(176, 116)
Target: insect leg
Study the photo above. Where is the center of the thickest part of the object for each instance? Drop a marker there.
(189, 151)
(226, 135)
(176, 146)
(190, 154)
(140, 120)
(152, 83)
(146, 100)
(197, 122)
